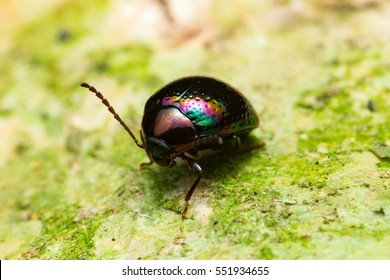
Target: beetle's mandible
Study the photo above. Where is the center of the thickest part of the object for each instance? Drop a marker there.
(188, 115)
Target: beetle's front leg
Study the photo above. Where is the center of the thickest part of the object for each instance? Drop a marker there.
(145, 164)
(194, 166)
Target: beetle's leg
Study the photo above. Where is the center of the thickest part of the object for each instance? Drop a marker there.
(194, 166)
(193, 153)
(237, 141)
(145, 164)
(242, 149)
(250, 148)
(231, 145)
(210, 140)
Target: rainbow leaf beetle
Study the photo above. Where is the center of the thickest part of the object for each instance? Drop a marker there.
(188, 115)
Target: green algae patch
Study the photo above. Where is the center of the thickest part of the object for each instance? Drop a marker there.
(126, 64)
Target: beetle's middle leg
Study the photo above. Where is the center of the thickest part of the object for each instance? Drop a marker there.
(194, 166)
(234, 145)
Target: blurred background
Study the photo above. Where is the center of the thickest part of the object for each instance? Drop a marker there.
(316, 72)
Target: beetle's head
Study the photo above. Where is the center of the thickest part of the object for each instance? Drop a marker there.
(160, 151)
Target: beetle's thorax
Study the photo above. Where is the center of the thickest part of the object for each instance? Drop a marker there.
(172, 126)
(169, 129)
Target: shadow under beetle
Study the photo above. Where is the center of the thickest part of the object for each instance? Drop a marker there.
(188, 115)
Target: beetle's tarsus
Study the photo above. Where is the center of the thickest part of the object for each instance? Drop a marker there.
(188, 196)
(194, 166)
(184, 213)
(146, 164)
(256, 146)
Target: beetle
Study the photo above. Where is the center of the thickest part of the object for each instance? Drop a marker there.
(188, 115)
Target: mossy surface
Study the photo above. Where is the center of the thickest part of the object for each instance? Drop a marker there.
(69, 175)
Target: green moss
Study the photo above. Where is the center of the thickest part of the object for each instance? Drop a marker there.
(62, 226)
(45, 44)
(129, 64)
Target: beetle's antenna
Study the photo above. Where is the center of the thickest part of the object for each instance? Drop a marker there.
(112, 111)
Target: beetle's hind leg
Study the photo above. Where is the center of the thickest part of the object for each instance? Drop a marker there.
(194, 166)
(250, 148)
(240, 145)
